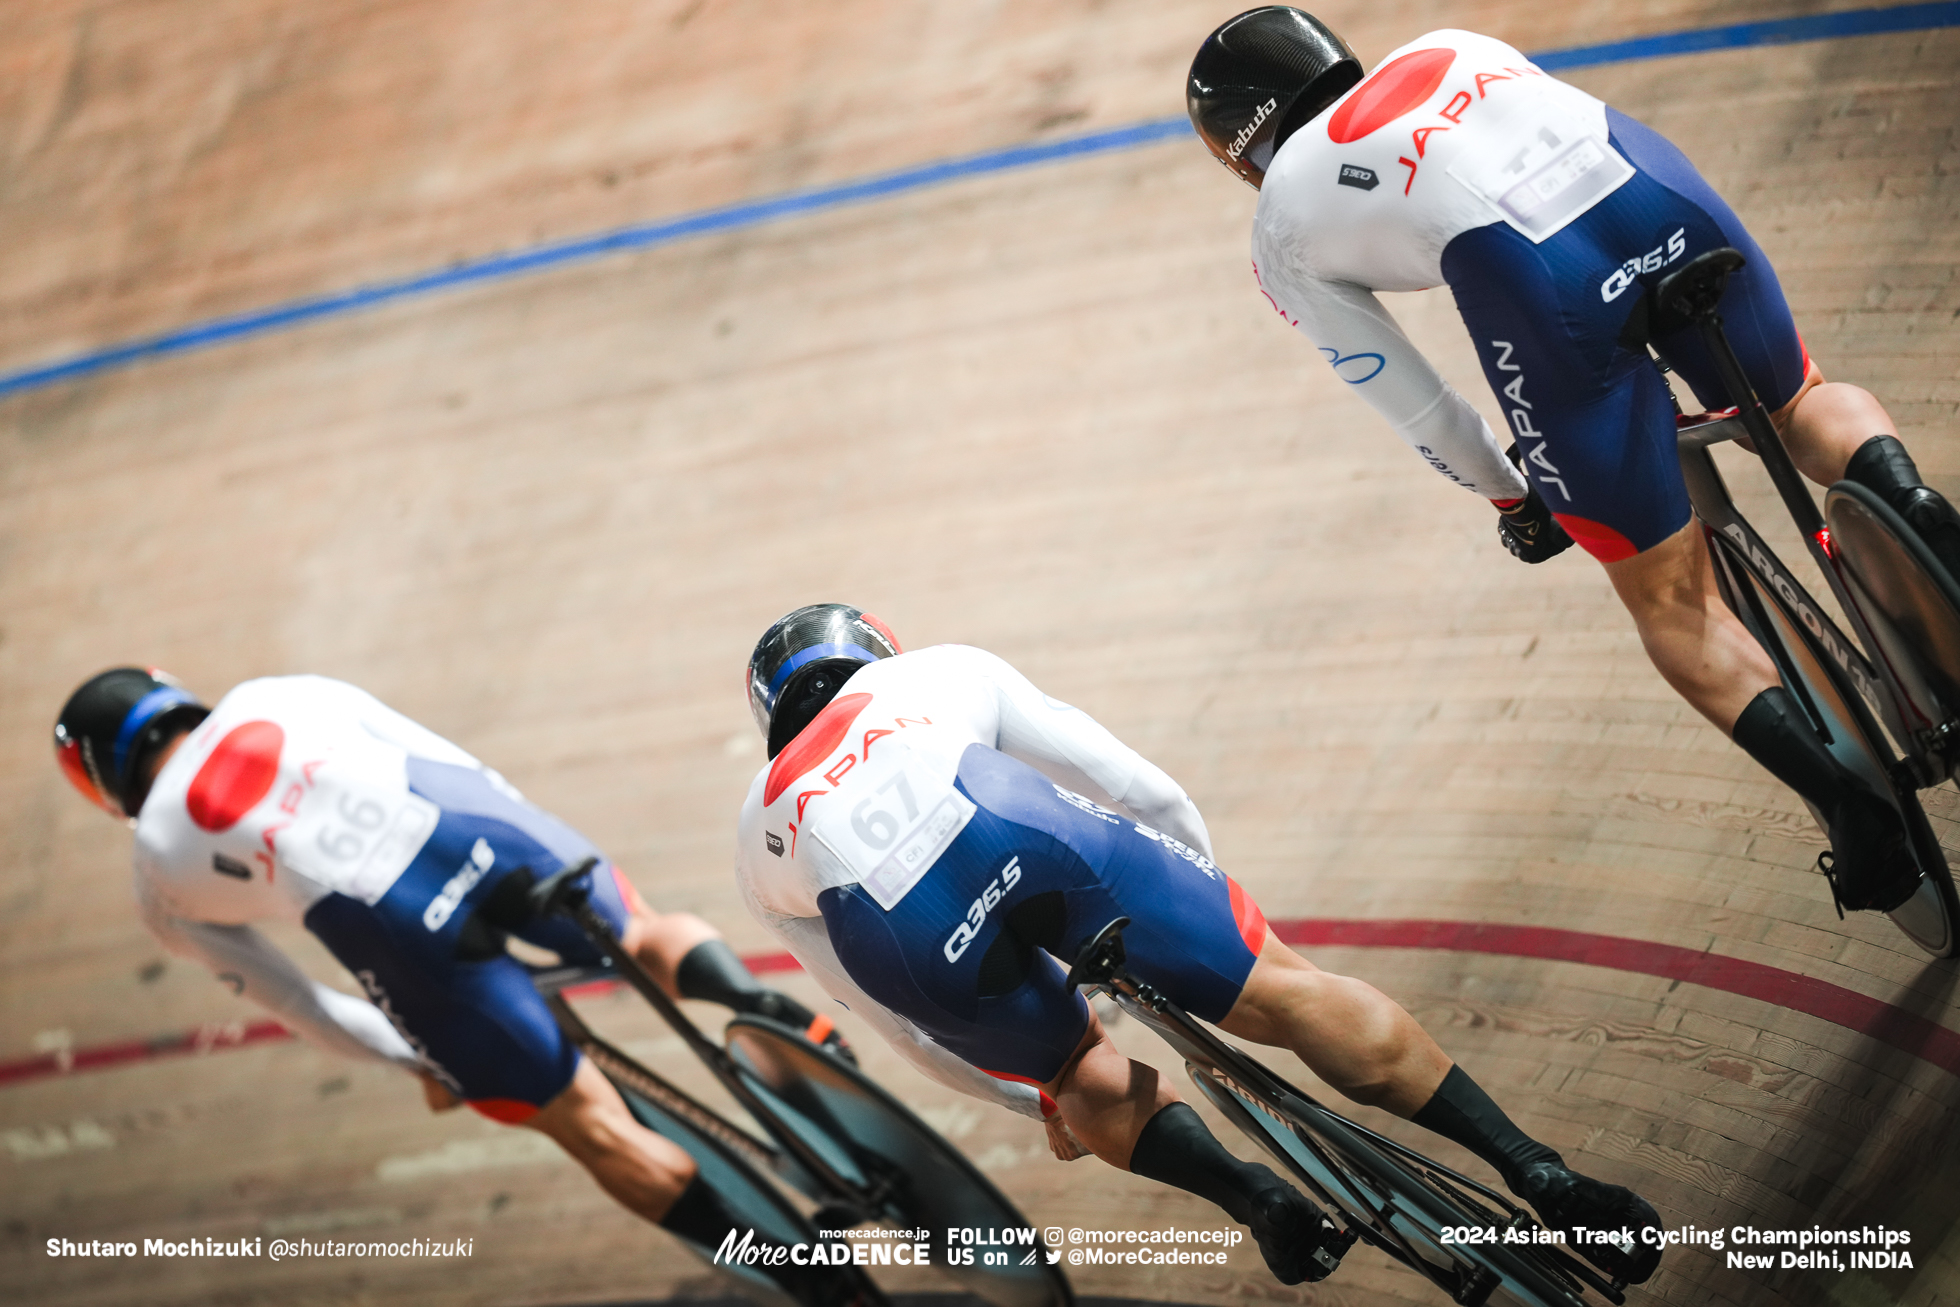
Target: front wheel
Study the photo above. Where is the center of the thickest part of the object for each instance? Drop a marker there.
(1448, 1235)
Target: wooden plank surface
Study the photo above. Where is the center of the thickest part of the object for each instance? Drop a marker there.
(1043, 412)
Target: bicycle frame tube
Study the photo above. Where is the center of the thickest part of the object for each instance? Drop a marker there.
(1209, 1056)
(599, 930)
(1712, 504)
(617, 1064)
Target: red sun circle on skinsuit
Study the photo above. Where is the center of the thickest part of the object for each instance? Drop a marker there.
(236, 775)
(1394, 89)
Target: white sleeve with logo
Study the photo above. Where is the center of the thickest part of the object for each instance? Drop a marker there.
(254, 968)
(1368, 351)
(1076, 751)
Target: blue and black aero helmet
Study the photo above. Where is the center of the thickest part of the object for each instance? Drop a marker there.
(801, 662)
(111, 725)
(1260, 78)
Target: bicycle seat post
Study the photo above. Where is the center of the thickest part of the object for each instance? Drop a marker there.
(1692, 293)
(1100, 961)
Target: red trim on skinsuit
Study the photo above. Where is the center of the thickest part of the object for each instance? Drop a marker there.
(634, 903)
(1048, 1105)
(509, 1111)
(1596, 538)
(813, 744)
(1249, 919)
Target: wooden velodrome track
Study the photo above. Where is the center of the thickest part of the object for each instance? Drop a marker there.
(1044, 411)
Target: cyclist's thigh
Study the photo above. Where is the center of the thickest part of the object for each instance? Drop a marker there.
(481, 1025)
(611, 893)
(477, 807)
(926, 957)
(1755, 316)
(1592, 418)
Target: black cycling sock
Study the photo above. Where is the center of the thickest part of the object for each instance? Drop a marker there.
(1176, 1148)
(713, 973)
(698, 1215)
(1463, 1113)
(1774, 731)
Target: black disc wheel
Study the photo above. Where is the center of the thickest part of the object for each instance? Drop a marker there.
(908, 1174)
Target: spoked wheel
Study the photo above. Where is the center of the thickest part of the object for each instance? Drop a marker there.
(1912, 598)
(908, 1174)
(1792, 633)
(1402, 1205)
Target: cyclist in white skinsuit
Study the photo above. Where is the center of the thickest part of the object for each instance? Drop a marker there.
(935, 840)
(305, 800)
(1551, 217)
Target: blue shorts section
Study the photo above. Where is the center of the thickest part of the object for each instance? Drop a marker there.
(1591, 414)
(1057, 869)
(479, 1021)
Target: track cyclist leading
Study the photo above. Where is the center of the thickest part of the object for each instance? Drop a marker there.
(300, 798)
(1551, 217)
(934, 839)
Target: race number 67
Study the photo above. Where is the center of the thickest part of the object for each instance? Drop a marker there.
(877, 827)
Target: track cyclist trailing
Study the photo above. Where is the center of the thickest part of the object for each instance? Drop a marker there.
(300, 798)
(934, 839)
(1551, 217)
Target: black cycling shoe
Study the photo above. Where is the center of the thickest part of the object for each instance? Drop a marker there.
(819, 1030)
(1927, 512)
(1295, 1237)
(1870, 863)
(1883, 465)
(1571, 1202)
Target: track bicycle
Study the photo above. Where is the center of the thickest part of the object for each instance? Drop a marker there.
(1903, 669)
(1471, 1241)
(830, 1134)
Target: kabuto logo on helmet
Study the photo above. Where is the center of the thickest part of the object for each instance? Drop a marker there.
(1251, 129)
(1259, 78)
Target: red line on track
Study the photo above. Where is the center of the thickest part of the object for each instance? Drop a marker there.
(1887, 1023)
(1906, 1031)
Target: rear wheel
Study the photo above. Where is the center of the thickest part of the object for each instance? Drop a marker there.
(1912, 602)
(1791, 630)
(907, 1174)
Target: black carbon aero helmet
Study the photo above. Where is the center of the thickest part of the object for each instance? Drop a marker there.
(1259, 78)
(110, 727)
(801, 662)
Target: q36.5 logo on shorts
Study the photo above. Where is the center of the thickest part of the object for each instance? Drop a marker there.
(976, 916)
(1623, 276)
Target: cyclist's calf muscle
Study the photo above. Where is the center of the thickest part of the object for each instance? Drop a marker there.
(1349, 1033)
(1106, 1098)
(642, 1171)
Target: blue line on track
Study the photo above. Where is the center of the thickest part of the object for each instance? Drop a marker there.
(749, 213)
(1781, 31)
